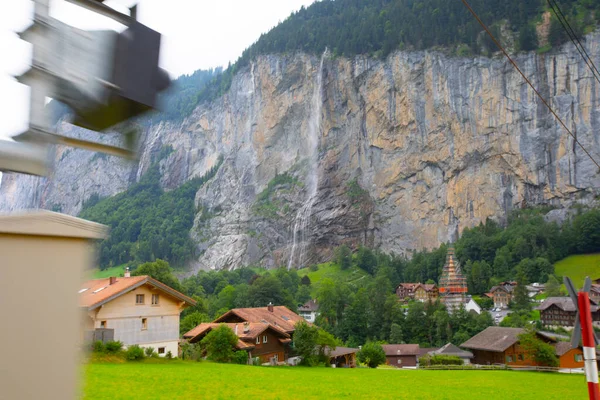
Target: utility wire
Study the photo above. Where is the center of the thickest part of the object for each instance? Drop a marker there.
(528, 81)
(573, 36)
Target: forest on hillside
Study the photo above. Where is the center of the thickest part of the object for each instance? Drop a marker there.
(147, 223)
(379, 27)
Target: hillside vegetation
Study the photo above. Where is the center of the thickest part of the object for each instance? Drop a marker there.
(188, 380)
(146, 222)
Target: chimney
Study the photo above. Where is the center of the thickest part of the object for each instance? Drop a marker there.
(112, 280)
(246, 327)
(127, 273)
(270, 307)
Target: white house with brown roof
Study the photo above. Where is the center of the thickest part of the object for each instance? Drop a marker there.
(309, 310)
(138, 309)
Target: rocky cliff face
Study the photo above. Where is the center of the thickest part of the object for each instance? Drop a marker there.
(398, 154)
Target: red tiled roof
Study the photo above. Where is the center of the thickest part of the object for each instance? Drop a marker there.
(96, 292)
(281, 317)
(254, 329)
(401, 349)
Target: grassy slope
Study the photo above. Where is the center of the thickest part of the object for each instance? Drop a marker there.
(334, 272)
(181, 380)
(119, 270)
(578, 267)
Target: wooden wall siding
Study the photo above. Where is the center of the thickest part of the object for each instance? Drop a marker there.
(567, 360)
(407, 361)
(273, 345)
(483, 357)
(265, 358)
(554, 315)
(125, 317)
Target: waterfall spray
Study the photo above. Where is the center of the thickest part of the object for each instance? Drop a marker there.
(301, 239)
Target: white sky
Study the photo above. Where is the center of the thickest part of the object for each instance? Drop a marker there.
(197, 34)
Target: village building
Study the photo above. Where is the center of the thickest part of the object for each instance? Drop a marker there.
(425, 292)
(535, 288)
(261, 340)
(472, 306)
(417, 291)
(278, 316)
(406, 291)
(401, 355)
(133, 310)
(560, 311)
(453, 284)
(342, 357)
(595, 293)
(451, 350)
(498, 345)
(276, 348)
(502, 294)
(309, 310)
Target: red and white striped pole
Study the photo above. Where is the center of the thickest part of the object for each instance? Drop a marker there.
(589, 345)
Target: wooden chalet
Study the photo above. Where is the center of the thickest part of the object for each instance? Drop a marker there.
(265, 332)
(401, 355)
(417, 291)
(502, 294)
(498, 345)
(561, 311)
(259, 339)
(568, 357)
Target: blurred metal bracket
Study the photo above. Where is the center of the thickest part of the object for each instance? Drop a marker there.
(102, 9)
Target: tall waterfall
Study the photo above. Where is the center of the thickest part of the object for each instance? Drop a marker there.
(301, 238)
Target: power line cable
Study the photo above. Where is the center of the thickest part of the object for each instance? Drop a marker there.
(529, 82)
(574, 39)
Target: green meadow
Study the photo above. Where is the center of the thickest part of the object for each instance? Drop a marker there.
(191, 380)
(578, 267)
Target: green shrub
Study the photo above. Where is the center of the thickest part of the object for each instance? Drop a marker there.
(169, 355)
(114, 346)
(314, 267)
(149, 351)
(134, 353)
(98, 347)
(445, 360)
(371, 354)
(240, 357)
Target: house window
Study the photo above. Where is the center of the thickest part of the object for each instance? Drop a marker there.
(520, 357)
(144, 324)
(154, 299)
(102, 324)
(139, 299)
(264, 338)
(509, 359)
(161, 350)
(258, 340)
(399, 361)
(578, 357)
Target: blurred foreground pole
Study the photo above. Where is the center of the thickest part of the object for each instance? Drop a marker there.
(589, 345)
(42, 259)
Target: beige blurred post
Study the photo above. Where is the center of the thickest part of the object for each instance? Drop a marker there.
(42, 259)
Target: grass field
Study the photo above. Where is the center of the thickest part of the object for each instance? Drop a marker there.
(333, 271)
(578, 267)
(105, 273)
(188, 380)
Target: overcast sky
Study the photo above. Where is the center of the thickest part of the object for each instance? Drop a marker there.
(197, 34)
